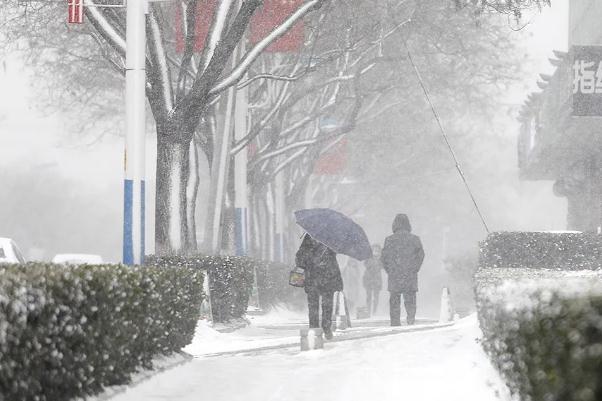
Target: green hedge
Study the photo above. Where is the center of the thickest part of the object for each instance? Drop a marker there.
(567, 251)
(68, 331)
(230, 281)
(543, 331)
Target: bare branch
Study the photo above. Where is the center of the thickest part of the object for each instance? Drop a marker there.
(239, 71)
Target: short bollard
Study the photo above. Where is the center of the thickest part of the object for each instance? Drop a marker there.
(446, 313)
(340, 312)
(311, 339)
(340, 322)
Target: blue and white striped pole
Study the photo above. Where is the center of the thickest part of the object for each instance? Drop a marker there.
(135, 120)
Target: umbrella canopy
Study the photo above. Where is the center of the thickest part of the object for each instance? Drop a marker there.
(336, 231)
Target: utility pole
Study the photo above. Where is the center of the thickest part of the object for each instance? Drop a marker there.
(135, 127)
(135, 121)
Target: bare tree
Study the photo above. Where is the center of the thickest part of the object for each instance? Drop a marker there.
(180, 88)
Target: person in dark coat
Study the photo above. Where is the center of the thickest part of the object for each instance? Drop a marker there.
(373, 279)
(402, 258)
(322, 279)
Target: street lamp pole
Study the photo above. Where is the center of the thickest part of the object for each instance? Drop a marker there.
(135, 121)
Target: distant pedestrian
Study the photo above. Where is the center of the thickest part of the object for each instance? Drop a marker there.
(373, 279)
(352, 277)
(322, 279)
(402, 258)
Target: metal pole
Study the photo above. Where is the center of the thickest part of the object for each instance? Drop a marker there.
(135, 103)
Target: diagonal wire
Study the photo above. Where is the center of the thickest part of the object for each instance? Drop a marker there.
(444, 134)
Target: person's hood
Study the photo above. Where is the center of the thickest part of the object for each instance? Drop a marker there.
(401, 222)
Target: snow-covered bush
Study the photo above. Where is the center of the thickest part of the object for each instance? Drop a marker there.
(68, 331)
(230, 281)
(543, 331)
(549, 250)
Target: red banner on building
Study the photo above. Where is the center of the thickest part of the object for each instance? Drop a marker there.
(334, 160)
(271, 15)
(204, 16)
(76, 11)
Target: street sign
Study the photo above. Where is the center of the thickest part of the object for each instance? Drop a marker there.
(587, 81)
(76, 11)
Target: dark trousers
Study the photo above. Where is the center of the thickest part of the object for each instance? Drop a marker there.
(313, 305)
(372, 299)
(409, 301)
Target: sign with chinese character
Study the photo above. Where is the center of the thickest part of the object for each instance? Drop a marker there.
(76, 11)
(587, 81)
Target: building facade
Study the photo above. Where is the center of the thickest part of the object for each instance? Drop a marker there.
(561, 126)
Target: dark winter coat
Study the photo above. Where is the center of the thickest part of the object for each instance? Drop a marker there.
(402, 256)
(373, 274)
(322, 273)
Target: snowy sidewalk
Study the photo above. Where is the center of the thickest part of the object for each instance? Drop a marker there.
(281, 330)
(440, 364)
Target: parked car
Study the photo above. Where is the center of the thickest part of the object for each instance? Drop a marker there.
(77, 259)
(9, 252)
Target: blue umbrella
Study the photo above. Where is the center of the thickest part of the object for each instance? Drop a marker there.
(336, 231)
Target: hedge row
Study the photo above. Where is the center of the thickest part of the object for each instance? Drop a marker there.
(68, 331)
(543, 331)
(567, 251)
(231, 282)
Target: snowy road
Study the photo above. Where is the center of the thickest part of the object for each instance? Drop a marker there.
(442, 364)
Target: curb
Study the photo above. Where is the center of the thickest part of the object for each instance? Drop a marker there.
(350, 337)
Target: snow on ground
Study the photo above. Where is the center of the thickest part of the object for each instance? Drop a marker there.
(264, 331)
(440, 364)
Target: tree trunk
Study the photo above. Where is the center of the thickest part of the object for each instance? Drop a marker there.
(219, 180)
(254, 227)
(263, 226)
(171, 201)
(192, 190)
(229, 217)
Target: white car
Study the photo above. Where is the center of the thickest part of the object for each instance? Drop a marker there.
(9, 252)
(77, 259)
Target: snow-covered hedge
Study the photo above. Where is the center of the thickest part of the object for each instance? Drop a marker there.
(549, 250)
(543, 331)
(68, 331)
(230, 281)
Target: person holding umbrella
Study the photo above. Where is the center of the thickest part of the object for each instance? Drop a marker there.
(322, 279)
(402, 258)
(327, 233)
